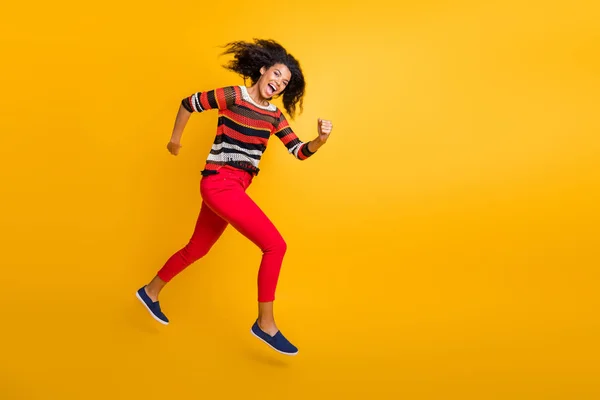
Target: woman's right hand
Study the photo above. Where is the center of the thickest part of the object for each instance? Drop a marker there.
(173, 148)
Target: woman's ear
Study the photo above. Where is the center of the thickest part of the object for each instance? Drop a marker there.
(263, 70)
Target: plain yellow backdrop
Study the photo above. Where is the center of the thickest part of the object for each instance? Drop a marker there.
(443, 245)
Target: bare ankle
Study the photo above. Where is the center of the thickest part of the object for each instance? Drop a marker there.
(153, 294)
(267, 325)
(154, 287)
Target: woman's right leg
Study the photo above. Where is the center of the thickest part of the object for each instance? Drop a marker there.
(209, 228)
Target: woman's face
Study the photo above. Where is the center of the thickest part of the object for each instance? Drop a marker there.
(274, 80)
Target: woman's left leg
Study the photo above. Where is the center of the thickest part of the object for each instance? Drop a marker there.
(226, 195)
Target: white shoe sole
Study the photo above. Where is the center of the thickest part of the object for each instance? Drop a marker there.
(147, 308)
(279, 351)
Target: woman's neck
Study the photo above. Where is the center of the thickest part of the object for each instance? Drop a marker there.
(256, 96)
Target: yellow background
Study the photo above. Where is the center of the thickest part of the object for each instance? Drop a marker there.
(443, 245)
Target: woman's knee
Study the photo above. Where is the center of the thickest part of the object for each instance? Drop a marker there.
(193, 252)
(277, 246)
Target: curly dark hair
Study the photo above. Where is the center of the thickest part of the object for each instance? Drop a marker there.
(250, 57)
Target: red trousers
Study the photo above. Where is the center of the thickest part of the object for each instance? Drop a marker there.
(225, 202)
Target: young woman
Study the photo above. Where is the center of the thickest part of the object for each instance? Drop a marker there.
(246, 122)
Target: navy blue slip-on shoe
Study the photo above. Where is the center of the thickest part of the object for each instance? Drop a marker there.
(152, 306)
(278, 342)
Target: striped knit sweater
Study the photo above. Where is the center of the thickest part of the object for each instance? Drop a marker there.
(243, 129)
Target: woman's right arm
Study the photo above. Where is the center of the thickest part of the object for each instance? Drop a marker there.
(220, 98)
(183, 116)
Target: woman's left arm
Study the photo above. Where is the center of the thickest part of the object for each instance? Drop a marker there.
(303, 150)
(324, 128)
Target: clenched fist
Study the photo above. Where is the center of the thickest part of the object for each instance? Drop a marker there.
(324, 127)
(173, 148)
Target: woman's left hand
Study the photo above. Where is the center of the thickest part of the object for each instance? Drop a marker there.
(324, 127)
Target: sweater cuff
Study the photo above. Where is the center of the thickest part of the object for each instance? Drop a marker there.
(306, 151)
(186, 104)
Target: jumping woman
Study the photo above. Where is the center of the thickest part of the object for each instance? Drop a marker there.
(246, 122)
